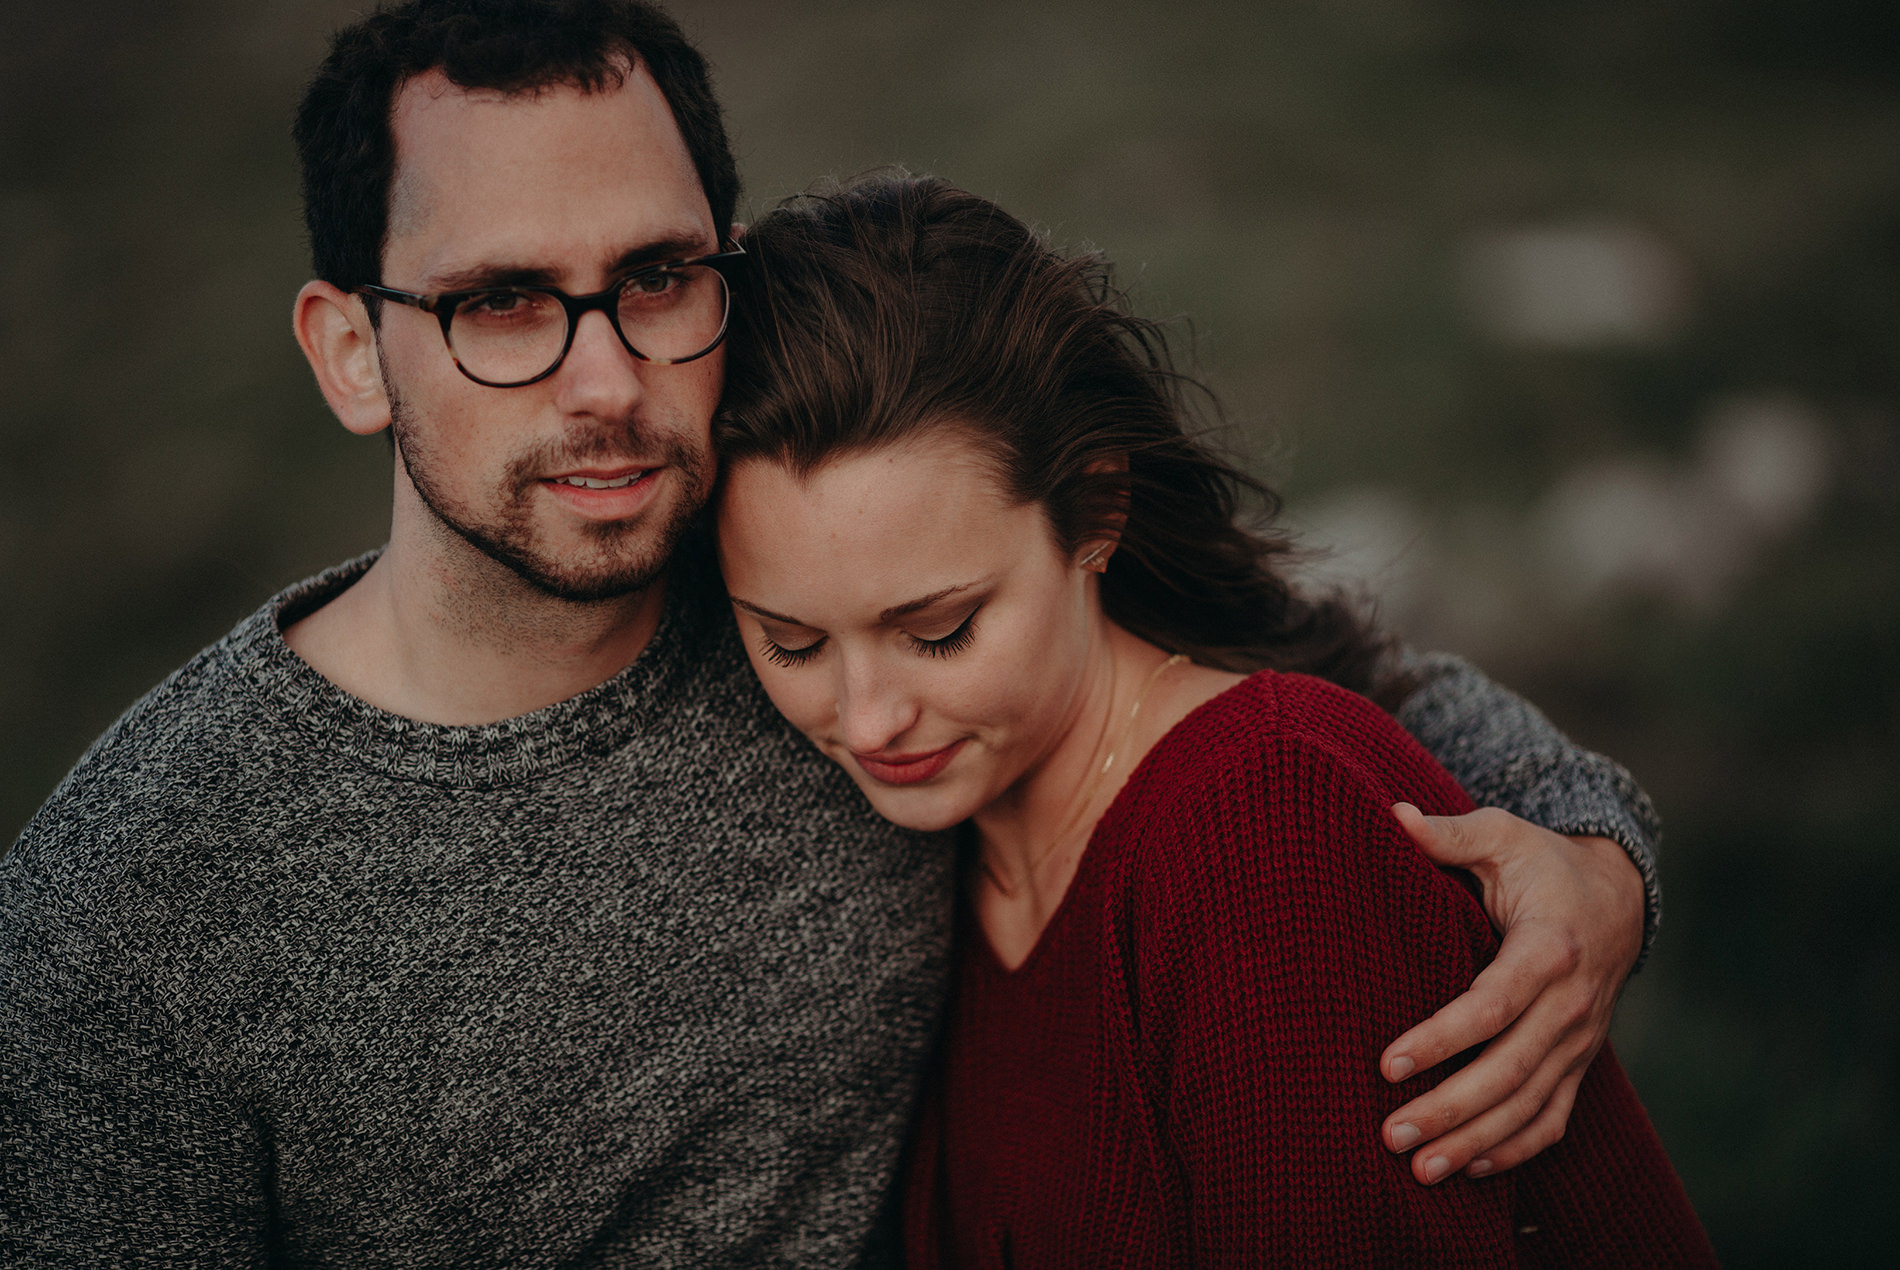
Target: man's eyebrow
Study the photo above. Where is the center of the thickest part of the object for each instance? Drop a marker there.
(477, 277)
(662, 251)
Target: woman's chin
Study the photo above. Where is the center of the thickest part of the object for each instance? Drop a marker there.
(925, 810)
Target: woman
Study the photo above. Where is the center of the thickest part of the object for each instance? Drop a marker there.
(978, 560)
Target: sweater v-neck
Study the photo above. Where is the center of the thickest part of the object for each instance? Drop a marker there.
(1095, 859)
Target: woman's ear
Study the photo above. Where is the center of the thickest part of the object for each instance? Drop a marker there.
(334, 331)
(1095, 550)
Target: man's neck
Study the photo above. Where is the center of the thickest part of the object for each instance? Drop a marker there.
(440, 633)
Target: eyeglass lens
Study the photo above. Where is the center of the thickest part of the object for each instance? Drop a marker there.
(508, 335)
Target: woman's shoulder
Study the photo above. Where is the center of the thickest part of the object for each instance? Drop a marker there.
(1283, 781)
(1264, 821)
(1288, 725)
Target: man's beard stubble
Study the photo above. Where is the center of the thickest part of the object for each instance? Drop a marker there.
(509, 541)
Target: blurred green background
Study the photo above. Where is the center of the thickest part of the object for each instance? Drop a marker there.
(1573, 327)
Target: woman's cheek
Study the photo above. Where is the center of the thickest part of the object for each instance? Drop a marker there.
(792, 698)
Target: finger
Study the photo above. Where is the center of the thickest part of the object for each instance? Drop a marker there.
(1519, 1071)
(1496, 999)
(1473, 838)
(1439, 1156)
(1542, 1133)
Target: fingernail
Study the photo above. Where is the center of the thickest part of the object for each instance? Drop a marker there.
(1436, 1167)
(1403, 1136)
(1478, 1168)
(1401, 1068)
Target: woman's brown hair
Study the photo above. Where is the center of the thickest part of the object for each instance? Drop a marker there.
(895, 306)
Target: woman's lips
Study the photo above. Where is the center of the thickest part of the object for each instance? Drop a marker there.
(907, 769)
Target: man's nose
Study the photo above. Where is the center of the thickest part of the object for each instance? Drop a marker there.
(874, 709)
(599, 376)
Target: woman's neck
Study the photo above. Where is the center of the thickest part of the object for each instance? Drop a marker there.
(1030, 841)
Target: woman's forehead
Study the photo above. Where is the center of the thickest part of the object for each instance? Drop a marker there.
(871, 524)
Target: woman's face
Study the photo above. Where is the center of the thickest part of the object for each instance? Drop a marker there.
(923, 631)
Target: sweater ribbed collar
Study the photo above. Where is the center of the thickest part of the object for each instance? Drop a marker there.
(582, 728)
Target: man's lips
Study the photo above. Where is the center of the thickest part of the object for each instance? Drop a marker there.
(907, 769)
(603, 493)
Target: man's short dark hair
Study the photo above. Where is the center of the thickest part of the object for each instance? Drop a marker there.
(348, 152)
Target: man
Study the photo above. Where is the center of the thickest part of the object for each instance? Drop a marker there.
(469, 903)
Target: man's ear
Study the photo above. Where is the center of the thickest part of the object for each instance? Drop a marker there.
(334, 332)
(735, 231)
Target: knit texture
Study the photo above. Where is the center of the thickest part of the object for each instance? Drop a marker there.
(1504, 753)
(1185, 1069)
(637, 979)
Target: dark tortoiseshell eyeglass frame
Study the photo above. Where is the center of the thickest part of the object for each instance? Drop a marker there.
(443, 304)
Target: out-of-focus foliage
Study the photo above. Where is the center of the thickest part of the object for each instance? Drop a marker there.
(1581, 318)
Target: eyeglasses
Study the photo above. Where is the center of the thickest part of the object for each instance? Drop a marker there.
(509, 337)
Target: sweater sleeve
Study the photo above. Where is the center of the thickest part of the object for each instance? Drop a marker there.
(114, 1148)
(1318, 931)
(1505, 753)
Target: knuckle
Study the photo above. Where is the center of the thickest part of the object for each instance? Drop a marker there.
(1495, 1013)
(1438, 1117)
(1519, 1068)
(1566, 953)
(1577, 1013)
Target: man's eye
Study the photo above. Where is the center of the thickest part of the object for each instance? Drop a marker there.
(496, 302)
(658, 282)
(506, 310)
(779, 655)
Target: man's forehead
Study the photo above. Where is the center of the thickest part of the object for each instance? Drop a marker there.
(508, 163)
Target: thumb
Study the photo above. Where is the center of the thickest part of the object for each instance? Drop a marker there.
(1442, 838)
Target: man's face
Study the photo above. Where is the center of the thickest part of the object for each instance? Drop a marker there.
(580, 483)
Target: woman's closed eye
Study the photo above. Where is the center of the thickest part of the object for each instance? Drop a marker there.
(948, 645)
(779, 655)
(791, 655)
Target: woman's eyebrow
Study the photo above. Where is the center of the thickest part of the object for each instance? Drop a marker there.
(757, 611)
(886, 615)
(922, 602)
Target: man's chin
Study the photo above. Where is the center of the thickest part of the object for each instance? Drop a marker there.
(609, 562)
(590, 588)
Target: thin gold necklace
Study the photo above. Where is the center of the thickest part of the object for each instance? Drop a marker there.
(1089, 791)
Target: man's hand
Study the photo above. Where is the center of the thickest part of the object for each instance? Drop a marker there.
(1571, 910)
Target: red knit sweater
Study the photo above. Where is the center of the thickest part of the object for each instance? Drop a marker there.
(1185, 1069)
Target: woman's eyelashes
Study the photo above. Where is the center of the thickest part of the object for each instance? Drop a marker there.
(779, 655)
(943, 646)
(953, 643)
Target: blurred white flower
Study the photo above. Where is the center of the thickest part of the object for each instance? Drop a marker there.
(1686, 532)
(1577, 285)
(1768, 457)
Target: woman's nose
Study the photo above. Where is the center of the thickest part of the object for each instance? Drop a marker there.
(874, 712)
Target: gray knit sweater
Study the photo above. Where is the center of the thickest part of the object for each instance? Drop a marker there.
(637, 979)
